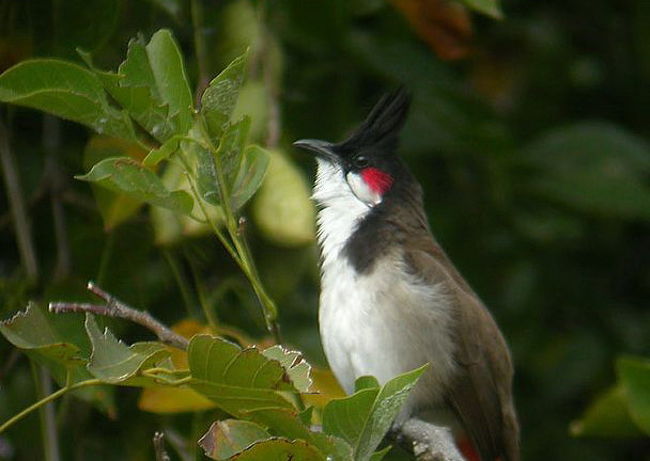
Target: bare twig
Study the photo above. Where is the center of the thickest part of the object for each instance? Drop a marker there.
(17, 205)
(428, 442)
(51, 144)
(159, 447)
(116, 308)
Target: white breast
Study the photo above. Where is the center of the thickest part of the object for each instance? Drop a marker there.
(382, 323)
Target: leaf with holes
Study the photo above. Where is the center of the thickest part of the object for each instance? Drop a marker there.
(226, 438)
(114, 362)
(168, 70)
(123, 174)
(237, 380)
(219, 99)
(58, 343)
(294, 364)
(252, 170)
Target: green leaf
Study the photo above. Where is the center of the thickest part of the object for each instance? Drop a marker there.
(282, 208)
(280, 449)
(58, 343)
(168, 69)
(155, 156)
(347, 417)
(488, 7)
(252, 170)
(134, 87)
(220, 97)
(634, 377)
(365, 382)
(116, 363)
(593, 167)
(380, 454)
(294, 364)
(114, 207)
(32, 331)
(607, 416)
(288, 423)
(66, 90)
(123, 174)
(363, 418)
(238, 380)
(241, 173)
(229, 437)
(231, 149)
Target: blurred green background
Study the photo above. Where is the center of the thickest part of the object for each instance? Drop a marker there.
(529, 135)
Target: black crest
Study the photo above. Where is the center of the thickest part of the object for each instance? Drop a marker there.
(381, 127)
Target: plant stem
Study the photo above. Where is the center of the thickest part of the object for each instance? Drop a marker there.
(17, 205)
(181, 281)
(199, 48)
(46, 413)
(159, 447)
(50, 398)
(244, 258)
(116, 308)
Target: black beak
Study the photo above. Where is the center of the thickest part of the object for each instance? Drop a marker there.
(322, 149)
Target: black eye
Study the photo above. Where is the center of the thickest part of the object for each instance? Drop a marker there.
(360, 161)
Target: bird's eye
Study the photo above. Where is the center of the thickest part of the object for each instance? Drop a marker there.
(360, 161)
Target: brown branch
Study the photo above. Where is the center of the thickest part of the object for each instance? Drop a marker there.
(159, 447)
(427, 441)
(17, 206)
(116, 308)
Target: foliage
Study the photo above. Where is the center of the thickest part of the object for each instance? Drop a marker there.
(528, 133)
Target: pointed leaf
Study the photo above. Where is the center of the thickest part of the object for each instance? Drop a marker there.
(634, 376)
(114, 207)
(156, 156)
(487, 7)
(607, 416)
(123, 174)
(66, 90)
(168, 69)
(134, 87)
(347, 418)
(252, 169)
(229, 437)
(114, 362)
(363, 418)
(219, 99)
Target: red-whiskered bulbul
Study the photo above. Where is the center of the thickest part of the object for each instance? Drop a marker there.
(390, 298)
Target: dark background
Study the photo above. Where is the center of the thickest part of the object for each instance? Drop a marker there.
(531, 145)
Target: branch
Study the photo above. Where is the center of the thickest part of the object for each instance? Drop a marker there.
(17, 205)
(159, 447)
(428, 442)
(116, 308)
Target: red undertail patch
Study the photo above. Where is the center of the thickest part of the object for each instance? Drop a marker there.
(377, 180)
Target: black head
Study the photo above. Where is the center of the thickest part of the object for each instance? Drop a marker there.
(368, 156)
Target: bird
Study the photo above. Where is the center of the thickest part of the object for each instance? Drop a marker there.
(391, 300)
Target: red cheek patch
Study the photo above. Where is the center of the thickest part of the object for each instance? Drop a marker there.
(377, 180)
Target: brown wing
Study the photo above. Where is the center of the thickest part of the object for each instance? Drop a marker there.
(481, 392)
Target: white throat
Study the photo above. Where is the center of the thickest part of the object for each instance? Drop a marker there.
(340, 210)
